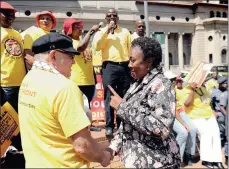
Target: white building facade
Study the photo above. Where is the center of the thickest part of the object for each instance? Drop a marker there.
(189, 31)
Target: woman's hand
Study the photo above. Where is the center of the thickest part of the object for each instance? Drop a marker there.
(115, 99)
(193, 85)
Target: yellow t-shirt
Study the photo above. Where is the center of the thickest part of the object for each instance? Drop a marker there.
(12, 60)
(180, 99)
(115, 47)
(50, 112)
(32, 34)
(200, 107)
(82, 70)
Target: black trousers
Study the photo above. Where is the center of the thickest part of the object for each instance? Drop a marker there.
(117, 75)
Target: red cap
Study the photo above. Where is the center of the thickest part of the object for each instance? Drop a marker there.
(179, 79)
(68, 25)
(46, 13)
(7, 6)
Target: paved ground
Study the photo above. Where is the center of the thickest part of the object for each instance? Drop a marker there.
(100, 136)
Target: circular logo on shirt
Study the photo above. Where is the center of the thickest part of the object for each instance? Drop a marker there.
(13, 47)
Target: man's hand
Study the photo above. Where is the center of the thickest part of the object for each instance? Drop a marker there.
(111, 26)
(115, 99)
(106, 159)
(29, 59)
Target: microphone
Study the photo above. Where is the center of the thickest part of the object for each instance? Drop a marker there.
(93, 31)
(112, 28)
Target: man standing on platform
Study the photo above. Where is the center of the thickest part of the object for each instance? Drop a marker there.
(114, 43)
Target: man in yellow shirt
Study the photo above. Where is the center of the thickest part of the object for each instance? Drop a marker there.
(140, 30)
(45, 21)
(114, 43)
(53, 124)
(197, 106)
(12, 64)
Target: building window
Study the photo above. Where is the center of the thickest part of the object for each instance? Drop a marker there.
(218, 14)
(142, 17)
(224, 56)
(27, 12)
(210, 58)
(170, 59)
(173, 18)
(210, 38)
(223, 1)
(212, 14)
(184, 59)
(224, 14)
(69, 14)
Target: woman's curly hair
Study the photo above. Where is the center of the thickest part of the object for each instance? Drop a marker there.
(150, 48)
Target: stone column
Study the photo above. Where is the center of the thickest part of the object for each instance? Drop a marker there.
(166, 51)
(180, 51)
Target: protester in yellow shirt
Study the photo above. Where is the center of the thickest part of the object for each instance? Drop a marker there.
(12, 66)
(140, 30)
(82, 70)
(114, 43)
(197, 106)
(53, 124)
(45, 21)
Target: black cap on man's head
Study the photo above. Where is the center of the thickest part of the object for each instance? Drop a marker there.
(54, 41)
(222, 80)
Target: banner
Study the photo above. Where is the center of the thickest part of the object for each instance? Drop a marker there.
(9, 126)
(97, 104)
(161, 39)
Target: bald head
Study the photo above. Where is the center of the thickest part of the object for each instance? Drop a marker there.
(140, 27)
(112, 15)
(140, 22)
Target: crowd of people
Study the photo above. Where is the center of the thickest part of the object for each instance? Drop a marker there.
(201, 111)
(45, 76)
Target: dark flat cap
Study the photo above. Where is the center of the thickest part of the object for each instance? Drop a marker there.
(222, 79)
(54, 41)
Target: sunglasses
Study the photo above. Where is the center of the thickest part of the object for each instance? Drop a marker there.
(114, 15)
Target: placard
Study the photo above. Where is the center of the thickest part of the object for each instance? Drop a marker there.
(9, 126)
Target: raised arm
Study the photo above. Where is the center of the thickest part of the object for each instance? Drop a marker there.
(84, 43)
